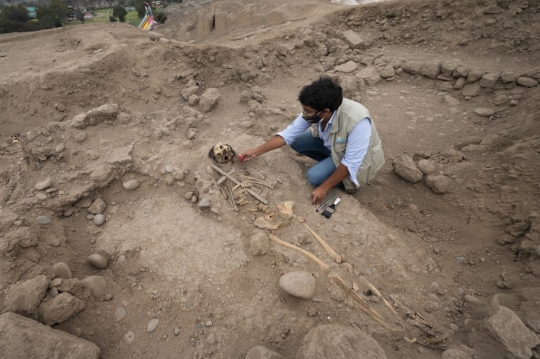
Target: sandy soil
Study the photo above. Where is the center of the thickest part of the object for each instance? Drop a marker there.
(193, 268)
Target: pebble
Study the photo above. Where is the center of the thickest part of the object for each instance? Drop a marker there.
(80, 137)
(169, 169)
(131, 185)
(108, 297)
(129, 337)
(204, 203)
(176, 331)
(461, 259)
(121, 258)
(98, 261)
(43, 220)
(435, 285)
(454, 327)
(90, 216)
(40, 186)
(460, 291)
(165, 131)
(484, 112)
(62, 270)
(152, 325)
(53, 292)
(41, 196)
(299, 284)
(188, 195)
(214, 210)
(99, 219)
(208, 323)
(120, 313)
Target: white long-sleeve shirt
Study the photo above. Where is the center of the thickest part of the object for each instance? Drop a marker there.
(357, 141)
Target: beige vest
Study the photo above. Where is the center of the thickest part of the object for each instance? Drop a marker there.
(347, 116)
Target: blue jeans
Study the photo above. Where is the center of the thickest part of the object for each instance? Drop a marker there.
(314, 148)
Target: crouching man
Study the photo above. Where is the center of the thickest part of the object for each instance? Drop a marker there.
(336, 132)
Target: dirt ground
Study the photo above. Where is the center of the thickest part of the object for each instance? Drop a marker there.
(438, 258)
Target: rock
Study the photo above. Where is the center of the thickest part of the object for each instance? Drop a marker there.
(455, 354)
(97, 207)
(474, 75)
(179, 176)
(347, 67)
(209, 99)
(259, 244)
(98, 261)
(105, 113)
(369, 75)
(451, 101)
(120, 313)
(26, 338)
(204, 204)
(349, 84)
(41, 196)
(164, 41)
(152, 325)
(471, 90)
(460, 83)
(189, 91)
(25, 297)
(431, 69)
(388, 72)
(43, 185)
(80, 137)
(193, 100)
(96, 284)
(108, 297)
(438, 183)
(339, 341)
(260, 352)
(405, 168)
(426, 166)
(61, 308)
(511, 334)
(448, 67)
(412, 67)
(99, 219)
(62, 270)
(43, 220)
(131, 185)
(461, 71)
(484, 112)
(53, 292)
(500, 100)
(489, 80)
(155, 36)
(452, 155)
(7, 218)
(298, 284)
(84, 202)
(526, 82)
(208, 323)
(353, 39)
(101, 174)
(508, 77)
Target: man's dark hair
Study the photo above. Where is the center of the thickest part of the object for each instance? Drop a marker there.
(322, 93)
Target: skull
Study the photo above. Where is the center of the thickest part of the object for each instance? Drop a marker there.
(222, 153)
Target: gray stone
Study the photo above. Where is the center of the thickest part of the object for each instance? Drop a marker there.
(130, 185)
(511, 334)
(369, 75)
(349, 84)
(43, 220)
(152, 325)
(209, 99)
(101, 174)
(43, 185)
(489, 80)
(438, 183)
(22, 337)
(96, 284)
(259, 244)
(347, 67)
(405, 168)
(84, 202)
(353, 39)
(388, 72)
(41, 196)
(187, 92)
(164, 40)
(25, 297)
(448, 67)
(451, 101)
(61, 308)
(426, 166)
(446, 86)
(471, 90)
(455, 354)
(484, 112)
(80, 137)
(452, 155)
(526, 82)
(204, 204)
(53, 292)
(120, 313)
(179, 176)
(299, 284)
(431, 69)
(412, 67)
(98, 261)
(193, 100)
(99, 219)
(154, 36)
(62, 270)
(104, 113)
(500, 100)
(474, 75)
(260, 352)
(461, 71)
(508, 77)
(97, 207)
(460, 83)
(339, 341)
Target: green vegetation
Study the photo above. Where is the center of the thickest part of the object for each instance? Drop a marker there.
(15, 18)
(119, 13)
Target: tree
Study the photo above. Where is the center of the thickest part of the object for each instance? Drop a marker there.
(140, 8)
(112, 19)
(56, 10)
(160, 17)
(120, 13)
(80, 16)
(15, 13)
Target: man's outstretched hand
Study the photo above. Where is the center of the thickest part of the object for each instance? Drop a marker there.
(317, 195)
(247, 155)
